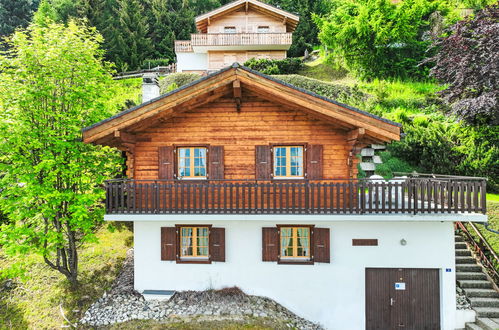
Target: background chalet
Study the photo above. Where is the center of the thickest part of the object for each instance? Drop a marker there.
(236, 32)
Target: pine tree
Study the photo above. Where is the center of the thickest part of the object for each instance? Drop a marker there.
(15, 13)
(128, 36)
(45, 14)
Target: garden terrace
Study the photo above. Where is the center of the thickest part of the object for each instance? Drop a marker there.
(360, 196)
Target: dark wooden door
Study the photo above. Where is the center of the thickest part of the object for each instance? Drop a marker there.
(401, 298)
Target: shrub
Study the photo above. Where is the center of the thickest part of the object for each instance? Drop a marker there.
(152, 63)
(391, 165)
(342, 93)
(377, 39)
(286, 66)
(179, 79)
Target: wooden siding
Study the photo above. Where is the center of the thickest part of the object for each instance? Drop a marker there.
(246, 22)
(220, 59)
(259, 122)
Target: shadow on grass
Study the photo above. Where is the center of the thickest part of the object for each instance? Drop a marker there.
(11, 316)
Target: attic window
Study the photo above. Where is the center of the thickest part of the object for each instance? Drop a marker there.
(230, 29)
(263, 29)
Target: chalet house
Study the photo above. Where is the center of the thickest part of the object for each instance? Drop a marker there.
(236, 32)
(239, 179)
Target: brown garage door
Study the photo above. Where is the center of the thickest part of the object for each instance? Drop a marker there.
(402, 298)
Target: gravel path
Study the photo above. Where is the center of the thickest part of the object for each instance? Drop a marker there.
(123, 304)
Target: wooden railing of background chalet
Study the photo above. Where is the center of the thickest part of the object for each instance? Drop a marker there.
(482, 250)
(410, 196)
(183, 46)
(240, 39)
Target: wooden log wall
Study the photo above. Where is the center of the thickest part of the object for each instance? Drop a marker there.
(246, 22)
(259, 122)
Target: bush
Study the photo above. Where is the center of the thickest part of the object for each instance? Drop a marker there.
(342, 93)
(179, 79)
(379, 39)
(286, 66)
(152, 63)
(391, 165)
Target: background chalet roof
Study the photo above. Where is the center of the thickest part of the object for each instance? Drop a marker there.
(219, 84)
(291, 20)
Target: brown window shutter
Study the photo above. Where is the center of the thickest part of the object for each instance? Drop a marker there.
(263, 163)
(270, 244)
(314, 162)
(216, 162)
(165, 163)
(321, 245)
(168, 243)
(217, 244)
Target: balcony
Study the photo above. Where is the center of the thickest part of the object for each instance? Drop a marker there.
(202, 42)
(183, 46)
(334, 197)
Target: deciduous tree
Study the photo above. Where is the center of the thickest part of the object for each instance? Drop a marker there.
(53, 83)
(468, 61)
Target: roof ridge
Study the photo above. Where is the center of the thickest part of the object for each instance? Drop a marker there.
(306, 91)
(236, 65)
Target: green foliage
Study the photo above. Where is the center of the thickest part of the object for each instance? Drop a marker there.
(45, 14)
(177, 79)
(438, 145)
(128, 36)
(288, 65)
(36, 301)
(391, 165)
(53, 82)
(342, 93)
(305, 35)
(15, 14)
(152, 63)
(376, 38)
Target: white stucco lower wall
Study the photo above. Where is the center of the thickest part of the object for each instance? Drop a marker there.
(332, 294)
(192, 62)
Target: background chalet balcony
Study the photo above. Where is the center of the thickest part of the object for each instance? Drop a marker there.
(202, 42)
(409, 196)
(183, 46)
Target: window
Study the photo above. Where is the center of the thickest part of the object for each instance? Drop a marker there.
(194, 242)
(288, 162)
(230, 29)
(263, 29)
(192, 163)
(295, 243)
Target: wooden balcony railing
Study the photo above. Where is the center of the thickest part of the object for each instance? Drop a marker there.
(409, 196)
(183, 46)
(240, 39)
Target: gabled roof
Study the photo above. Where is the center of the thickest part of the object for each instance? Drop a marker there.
(291, 20)
(223, 83)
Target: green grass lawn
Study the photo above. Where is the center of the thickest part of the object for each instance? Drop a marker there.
(493, 213)
(37, 302)
(248, 323)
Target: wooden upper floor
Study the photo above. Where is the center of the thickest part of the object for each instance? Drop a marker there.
(241, 25)
(240, 141)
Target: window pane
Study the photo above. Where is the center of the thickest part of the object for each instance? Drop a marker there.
(202, 251)
(286, 231)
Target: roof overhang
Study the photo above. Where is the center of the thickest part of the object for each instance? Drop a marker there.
(120, 129)
(291, 20)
